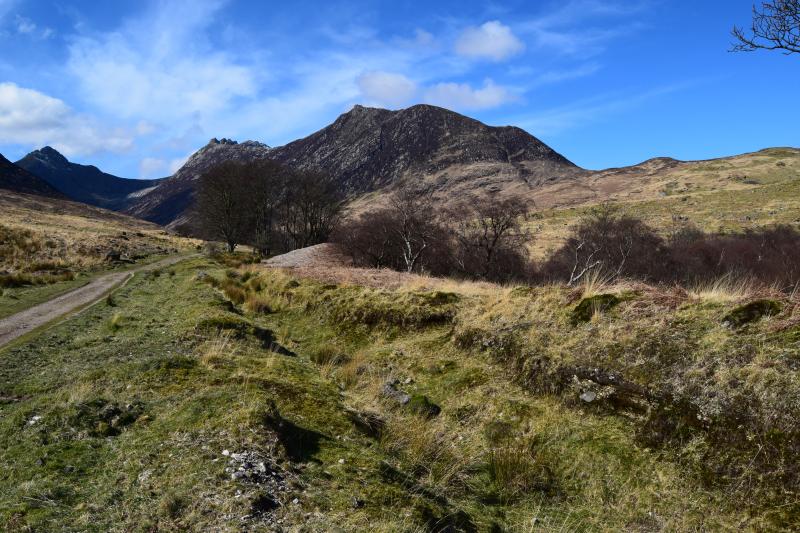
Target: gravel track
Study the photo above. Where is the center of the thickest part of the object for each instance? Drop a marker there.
(19, 324)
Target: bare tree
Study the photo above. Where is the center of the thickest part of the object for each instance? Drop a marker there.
(414, 224)
(267, 191)
(775, 26)
(221, 203)
(491, 243)
(311, 209)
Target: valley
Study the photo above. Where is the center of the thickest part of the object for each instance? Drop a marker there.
(199, 390)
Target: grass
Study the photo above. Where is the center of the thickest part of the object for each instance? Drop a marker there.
(132, 424)
(713, 196)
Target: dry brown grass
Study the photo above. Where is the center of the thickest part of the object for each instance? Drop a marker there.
(63, 234)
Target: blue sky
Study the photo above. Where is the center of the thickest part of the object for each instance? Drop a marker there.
(135, 87)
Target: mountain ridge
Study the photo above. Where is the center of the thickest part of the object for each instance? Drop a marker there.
(17, 179)
(83, 183)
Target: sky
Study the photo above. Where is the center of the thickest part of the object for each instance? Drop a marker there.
(135, 87)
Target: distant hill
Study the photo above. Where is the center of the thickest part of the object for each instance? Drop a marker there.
(83, 183)
(369, 149)
(14, 178)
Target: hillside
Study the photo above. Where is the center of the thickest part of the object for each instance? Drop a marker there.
(83, 183)
(368, 149)
(16, 179)
(51, 245)
(727, 194)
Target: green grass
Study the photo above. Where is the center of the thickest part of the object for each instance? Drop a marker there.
(14, 300)
(18, 299)
(116, 420)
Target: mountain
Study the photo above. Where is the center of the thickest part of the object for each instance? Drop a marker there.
(167, 203)
(83, 183)
(369, 149)
(14, 178)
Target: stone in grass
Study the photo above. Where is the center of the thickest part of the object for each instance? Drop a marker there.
(421, 405)
(587, 307)
(751, 312)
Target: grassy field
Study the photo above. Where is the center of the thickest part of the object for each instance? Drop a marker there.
(48, 247)
(206, 398)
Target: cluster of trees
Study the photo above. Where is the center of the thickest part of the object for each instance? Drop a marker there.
(266, 205)
(275, 209)
(481, 238)
(484, 239)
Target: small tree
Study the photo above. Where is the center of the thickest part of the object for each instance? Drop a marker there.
(490, 243)
(775, 26)
(222, 202)
(413, 225)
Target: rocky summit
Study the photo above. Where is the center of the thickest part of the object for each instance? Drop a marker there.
(368, 148)
(168, 202)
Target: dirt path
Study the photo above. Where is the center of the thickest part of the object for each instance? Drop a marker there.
(26, 321)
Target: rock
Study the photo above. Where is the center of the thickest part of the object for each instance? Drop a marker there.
(588, 396)
(390, 391)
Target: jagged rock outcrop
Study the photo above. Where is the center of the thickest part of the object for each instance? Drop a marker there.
(16, 179)
(83, 183)
(168, 203)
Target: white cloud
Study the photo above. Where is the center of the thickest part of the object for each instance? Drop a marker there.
(161, 65)
(153, 167)
(462, 96)
(28, 117)
(386, 88)
(25, 26)
(492, 40)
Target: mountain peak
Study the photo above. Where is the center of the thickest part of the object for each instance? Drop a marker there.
(49, 155)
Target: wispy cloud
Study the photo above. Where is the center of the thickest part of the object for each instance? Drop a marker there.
(583, 27)
(555, 121)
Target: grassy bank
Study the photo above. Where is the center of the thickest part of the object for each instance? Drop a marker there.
(209, 398)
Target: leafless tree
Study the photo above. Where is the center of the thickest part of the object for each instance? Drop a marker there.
(267, 191)
(490, 241)
(775, 26)
(414, 224)
(620, 245)
(221, 203)
(311, 209)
